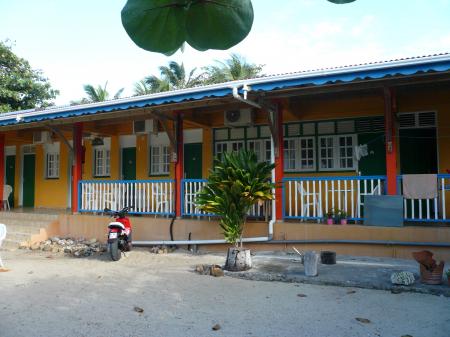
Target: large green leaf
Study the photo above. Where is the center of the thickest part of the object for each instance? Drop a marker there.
(156, 25)
(218, 24)
(164, 25)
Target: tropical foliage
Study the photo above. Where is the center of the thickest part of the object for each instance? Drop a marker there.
(164, 26)
(236, 183)
(98, 94)
(234, 68)
(21, 87)
(173, 76)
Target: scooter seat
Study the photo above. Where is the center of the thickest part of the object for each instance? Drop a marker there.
(116, 225)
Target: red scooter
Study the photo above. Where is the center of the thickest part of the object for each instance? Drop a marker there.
(119, 233)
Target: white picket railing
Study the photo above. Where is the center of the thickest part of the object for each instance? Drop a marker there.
(144, 196)
(428, 210)
(192, 186)
(310, 198)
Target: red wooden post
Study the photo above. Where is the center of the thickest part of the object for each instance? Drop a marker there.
(2, 164)
(279, 168)
(77, 165)
(391, 143)
(179, 170)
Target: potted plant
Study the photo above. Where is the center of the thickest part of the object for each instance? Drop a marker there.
(447, 273)
(343, 217)
(330, 217)
(235, 184)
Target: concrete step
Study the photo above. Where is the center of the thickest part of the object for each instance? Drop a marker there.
(24, 229)
(9, 244)
(28, 223)
(6, 216)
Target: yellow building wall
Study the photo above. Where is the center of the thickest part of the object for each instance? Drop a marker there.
(52, 193)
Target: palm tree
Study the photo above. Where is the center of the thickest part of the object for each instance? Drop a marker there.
(175, 74)
(234, 68)
(99, 94)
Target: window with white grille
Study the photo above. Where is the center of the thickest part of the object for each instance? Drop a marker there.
(413, 120)
(159, 160)
(336, 152)
(102, 162)
(52, 161)
(262, 149)
(299, 154)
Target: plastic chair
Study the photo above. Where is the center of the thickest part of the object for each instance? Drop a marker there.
(161, 199)
(2, 237)
(310, 199)
(7, 190)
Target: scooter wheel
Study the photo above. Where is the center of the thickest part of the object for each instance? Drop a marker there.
(114, 250)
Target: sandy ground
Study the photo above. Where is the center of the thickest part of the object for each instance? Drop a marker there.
(63, 296)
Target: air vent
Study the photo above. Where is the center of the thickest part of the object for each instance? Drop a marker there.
(41, 137)
(293, 130)
(378, 124)
(309, 129)
(346, 126)
(143, 127)
(417, 120)
(363, 125)
(221, 134)
(325, 128)
(427, 119)
(407, 120)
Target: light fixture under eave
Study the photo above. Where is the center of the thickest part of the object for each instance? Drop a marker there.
(97, 141)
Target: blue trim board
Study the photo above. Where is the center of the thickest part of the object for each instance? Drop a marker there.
(266, 84)
(330, 178)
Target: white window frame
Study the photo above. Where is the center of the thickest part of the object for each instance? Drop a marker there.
(298, 157)
(102, 159)
(159, 162)
(262, 148)
(102, 162)
(52, 161)
(336, 158)
(228, 146)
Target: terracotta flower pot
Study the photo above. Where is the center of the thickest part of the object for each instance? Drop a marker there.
(431, 276)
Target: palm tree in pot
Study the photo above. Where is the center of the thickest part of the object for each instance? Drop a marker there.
(236, 183)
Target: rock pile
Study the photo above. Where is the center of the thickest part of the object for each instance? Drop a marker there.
(73, 247)
(162, 250)
(213, 270)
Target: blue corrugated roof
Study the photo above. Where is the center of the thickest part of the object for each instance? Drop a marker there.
(370, 71)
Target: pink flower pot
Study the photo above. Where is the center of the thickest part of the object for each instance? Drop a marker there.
(330, 221)
(343, 221)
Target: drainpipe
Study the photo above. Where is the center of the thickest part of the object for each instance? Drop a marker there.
(243, 99)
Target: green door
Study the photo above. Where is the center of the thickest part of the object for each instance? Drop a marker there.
(375, 162)
(129, 163)
(10, 174)
(418, 151)
(193, 161)
(29, 162)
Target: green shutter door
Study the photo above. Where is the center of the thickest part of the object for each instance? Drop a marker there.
(418, 151)
(29, 161)
(193, 161)
(375, 162)
(10, 176)
(129, 163)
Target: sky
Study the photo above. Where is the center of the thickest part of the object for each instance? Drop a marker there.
(83, 42)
